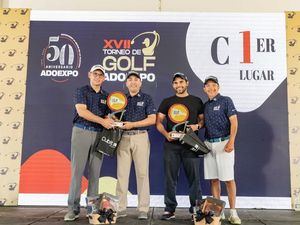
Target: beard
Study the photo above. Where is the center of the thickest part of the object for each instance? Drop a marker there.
(181, 90)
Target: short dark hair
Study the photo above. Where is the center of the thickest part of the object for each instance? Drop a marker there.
(180, 75)
(133, 73)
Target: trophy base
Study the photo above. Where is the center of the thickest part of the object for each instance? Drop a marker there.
(176, 135)
(118, 124)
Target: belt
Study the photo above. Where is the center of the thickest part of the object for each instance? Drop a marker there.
(212, 140)
(87, 127)
(134, 132)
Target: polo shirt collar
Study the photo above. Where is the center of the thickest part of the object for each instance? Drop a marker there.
(91, 89)
(215, 98)
(139, 94)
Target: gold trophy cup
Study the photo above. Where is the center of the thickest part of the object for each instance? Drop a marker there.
(117, 101)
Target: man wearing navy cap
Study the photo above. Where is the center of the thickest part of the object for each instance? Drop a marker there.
(90, 112)
(135, 146)
(180, 108)
(220, 117)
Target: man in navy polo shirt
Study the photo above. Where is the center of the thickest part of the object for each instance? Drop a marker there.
(135, 146)
(91, 109)
(220, 117)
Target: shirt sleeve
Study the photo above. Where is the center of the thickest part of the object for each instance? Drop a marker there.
(200, 107)
(150, 107)
(108, 110)
(163, 107)
(231, 110)
(80, 97)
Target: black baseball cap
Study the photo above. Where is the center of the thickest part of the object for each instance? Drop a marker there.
(211, 78)
(133, 73)
(181, 75)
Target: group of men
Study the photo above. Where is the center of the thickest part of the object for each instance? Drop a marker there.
(218, 115)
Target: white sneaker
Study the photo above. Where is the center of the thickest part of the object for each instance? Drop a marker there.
(234, 218)
(223, 216)
(121, 214)
(143, 215)
(71, 216)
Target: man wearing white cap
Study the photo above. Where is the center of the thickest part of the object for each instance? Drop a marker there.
(90, 112)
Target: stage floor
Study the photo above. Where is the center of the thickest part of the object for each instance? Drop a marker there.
(54, 216)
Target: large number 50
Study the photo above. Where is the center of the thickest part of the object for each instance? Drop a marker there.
(59, 53)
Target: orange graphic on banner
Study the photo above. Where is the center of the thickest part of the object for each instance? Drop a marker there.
(47, 171)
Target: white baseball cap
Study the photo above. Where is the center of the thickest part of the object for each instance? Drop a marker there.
(97, 67)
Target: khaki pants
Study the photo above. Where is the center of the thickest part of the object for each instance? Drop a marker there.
(137, 148)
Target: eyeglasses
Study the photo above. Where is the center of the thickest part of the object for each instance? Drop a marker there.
(95, 74)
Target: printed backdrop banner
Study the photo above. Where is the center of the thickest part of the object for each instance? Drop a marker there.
(245, 51)
(293, 63)
(14, 32)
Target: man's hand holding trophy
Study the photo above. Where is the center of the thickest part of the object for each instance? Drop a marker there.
(175, 134)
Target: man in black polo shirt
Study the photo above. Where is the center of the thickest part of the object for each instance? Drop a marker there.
(178, 109)
(135, 146)
(91, 108)
(221, 124)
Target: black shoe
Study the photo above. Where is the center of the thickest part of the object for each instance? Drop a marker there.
(168, 216)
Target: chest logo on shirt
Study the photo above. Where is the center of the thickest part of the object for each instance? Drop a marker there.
(178, 113)
(216, 108)
(103, 101)
(117, 101)
(140, 103)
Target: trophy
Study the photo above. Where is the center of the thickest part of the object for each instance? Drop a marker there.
(191, 139)
(208, 211)
(117, 101)
(178, 114)
(178, 134)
